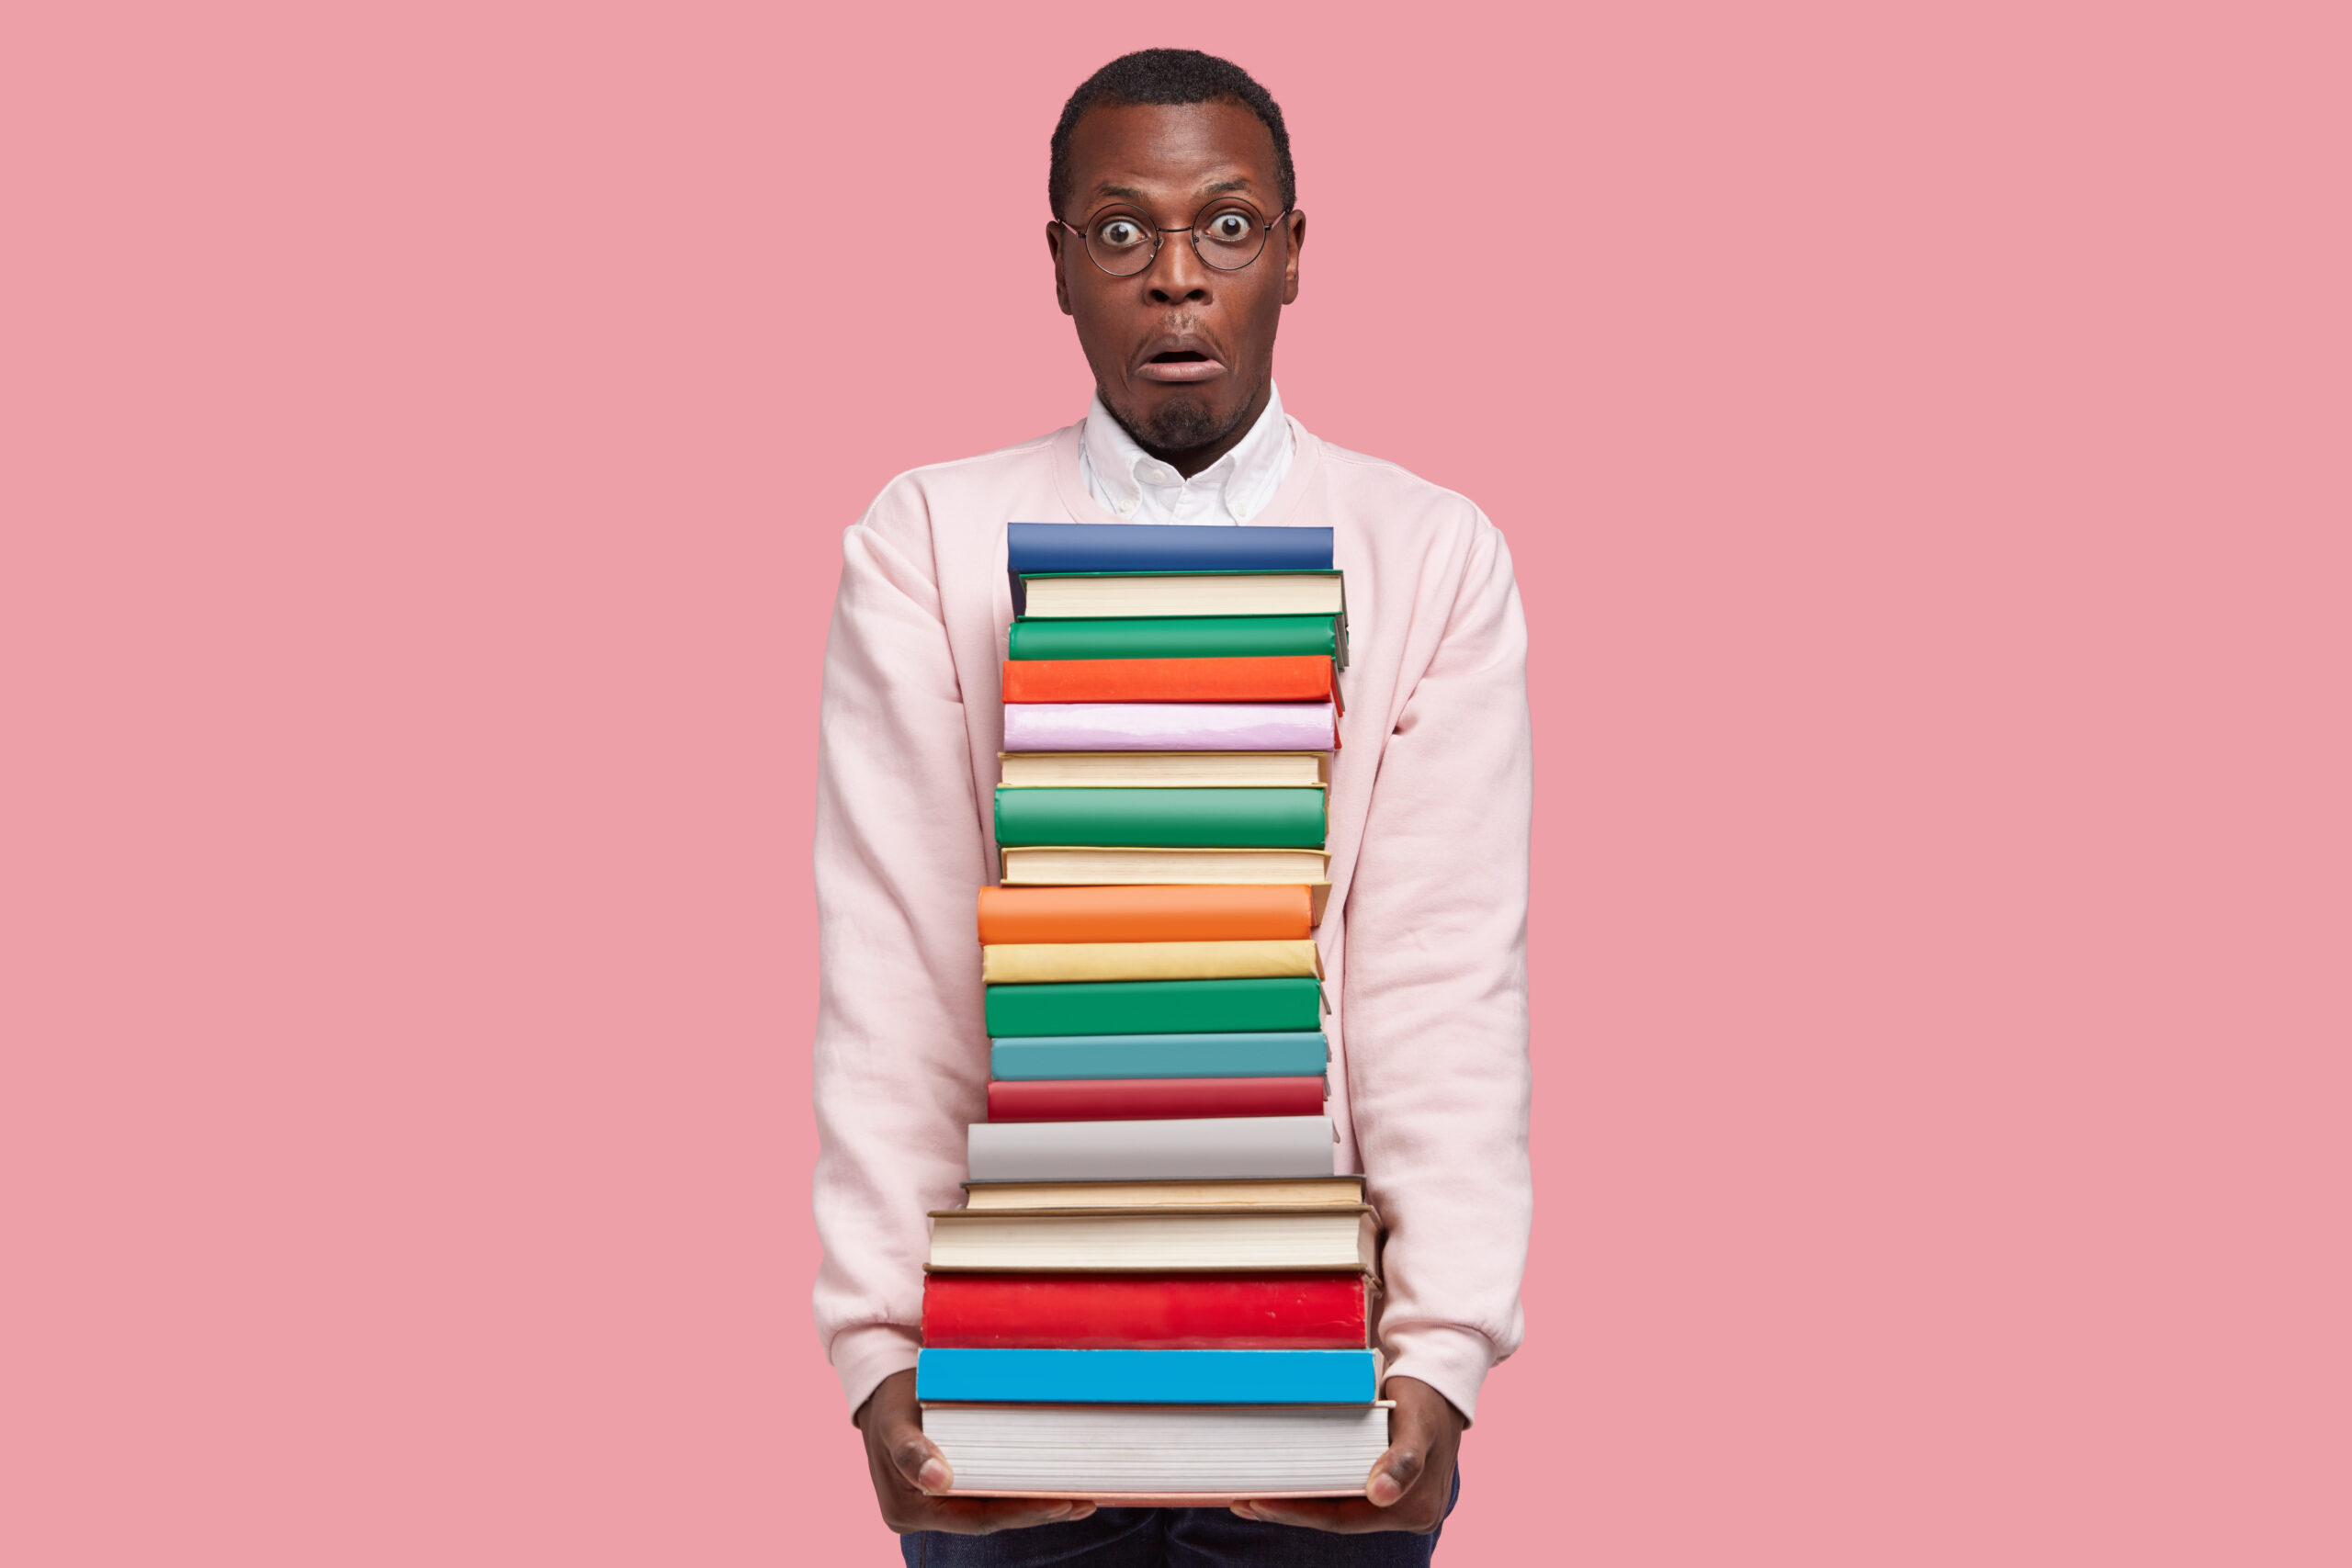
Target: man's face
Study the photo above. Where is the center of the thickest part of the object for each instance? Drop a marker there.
(1182, 353)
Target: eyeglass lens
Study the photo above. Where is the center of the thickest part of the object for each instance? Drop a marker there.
(1228, 236)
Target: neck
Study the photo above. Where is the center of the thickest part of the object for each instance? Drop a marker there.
(1190, 460)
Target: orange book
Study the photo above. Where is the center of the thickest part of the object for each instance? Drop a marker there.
(1283, 678)
(1144, 914)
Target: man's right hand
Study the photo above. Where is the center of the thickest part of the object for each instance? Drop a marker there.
(910, 1472)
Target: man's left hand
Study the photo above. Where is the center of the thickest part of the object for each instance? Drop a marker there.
(1410, 1483)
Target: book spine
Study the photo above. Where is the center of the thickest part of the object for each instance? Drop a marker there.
(1151, 1151)
(1116, 1100)
(1171, 727)
(1162, 818)
(1150, 1007)
(1159, 1312)
(1262, 1055)
(1163, 546)
(1144, 914)
(1291, 678)
(1148, 1377)
(1032, 962)
(1175, 636)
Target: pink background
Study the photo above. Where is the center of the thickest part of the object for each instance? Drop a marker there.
(1922, 434)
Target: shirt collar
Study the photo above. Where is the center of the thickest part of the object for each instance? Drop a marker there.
(1131, 483)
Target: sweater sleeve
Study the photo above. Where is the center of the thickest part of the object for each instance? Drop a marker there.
(900, 1067)
(1435, 1001)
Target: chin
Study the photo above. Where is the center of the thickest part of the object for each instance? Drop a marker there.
(1184, 422)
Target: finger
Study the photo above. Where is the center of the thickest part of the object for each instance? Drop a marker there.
(1347, 1516)
(986, 1516)
(1394, 1473)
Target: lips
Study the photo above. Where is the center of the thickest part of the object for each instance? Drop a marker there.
(1179, 358)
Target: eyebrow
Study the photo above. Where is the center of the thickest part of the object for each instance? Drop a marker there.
(1129, 193)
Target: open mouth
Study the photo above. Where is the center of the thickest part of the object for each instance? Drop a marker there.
(1179, 365)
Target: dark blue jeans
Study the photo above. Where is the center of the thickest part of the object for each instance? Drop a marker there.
(1172, 1538)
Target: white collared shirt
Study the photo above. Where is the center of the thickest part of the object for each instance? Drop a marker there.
(1130, 482)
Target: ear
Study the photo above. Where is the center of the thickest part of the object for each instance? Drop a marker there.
(1055, 235)
(1296, 226)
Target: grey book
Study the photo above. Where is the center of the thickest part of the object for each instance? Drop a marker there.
(1151, 1151)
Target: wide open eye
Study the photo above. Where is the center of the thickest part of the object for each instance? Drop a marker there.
(1119, 234)
(1229, 229)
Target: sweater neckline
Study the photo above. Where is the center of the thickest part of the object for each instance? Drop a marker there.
(1305, 461)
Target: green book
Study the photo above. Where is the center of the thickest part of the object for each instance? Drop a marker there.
(1161, 819)
(1155, 1006)
(1179, 636)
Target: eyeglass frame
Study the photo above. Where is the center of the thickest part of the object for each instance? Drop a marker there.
(1159, 235)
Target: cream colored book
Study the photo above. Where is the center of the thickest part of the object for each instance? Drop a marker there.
(1132, 1240)
(1309, 1192)
(1164, 770)
(1155, 1456)
(1067, 866)
(1013, 964)
(1087, 595)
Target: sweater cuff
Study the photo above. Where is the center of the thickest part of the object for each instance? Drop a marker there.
(865, 1355)
(1449, 1360)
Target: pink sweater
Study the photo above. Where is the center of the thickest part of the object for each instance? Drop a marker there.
(1424, 943)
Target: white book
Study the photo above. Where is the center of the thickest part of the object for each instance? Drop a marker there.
(1147, 1454)
(1151, 1151)
(1165, 770)
(1154, 1240)
(1090, 594)
(1321, 1192)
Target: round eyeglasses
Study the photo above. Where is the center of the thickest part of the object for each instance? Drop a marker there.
(1227, 234)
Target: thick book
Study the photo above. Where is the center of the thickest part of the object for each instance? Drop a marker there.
(1144, 914)
(1259, 1054)
(1125, 594)
(1163, 818)
(1146, 1312)
(1151, 1151)
(1180, 636)
(1148, 1456)
(1318, 1192)
(1171, 727)
(1151, 1099)
(1063, 866)
(1155, 1006)
(1149, 1377)
(1293, 678)
(1015, 964)
(1159, 547)
(1163, 770)
(1141, 1240)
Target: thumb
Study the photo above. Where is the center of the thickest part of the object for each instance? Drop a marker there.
(1394, 1472)
(918, 1458)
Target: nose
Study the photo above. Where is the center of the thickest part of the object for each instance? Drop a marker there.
(1176, 274)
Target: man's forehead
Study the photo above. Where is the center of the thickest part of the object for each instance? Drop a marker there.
(1142, 152)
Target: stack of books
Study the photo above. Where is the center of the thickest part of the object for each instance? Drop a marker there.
(1159, 1290)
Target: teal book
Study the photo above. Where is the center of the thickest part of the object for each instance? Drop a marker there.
(1156, 1007)
(1161, 819)
(1261, 1054)
(1148, 1377)
(1179, 636)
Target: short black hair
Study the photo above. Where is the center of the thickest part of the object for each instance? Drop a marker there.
(1168, 76)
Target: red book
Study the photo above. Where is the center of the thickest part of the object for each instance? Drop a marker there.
(1151, 1099)
(1146, 1312)
(1278, 678)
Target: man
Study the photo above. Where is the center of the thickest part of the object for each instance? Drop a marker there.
(1175, 241)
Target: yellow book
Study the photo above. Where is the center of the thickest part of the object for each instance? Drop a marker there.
(1012, 964)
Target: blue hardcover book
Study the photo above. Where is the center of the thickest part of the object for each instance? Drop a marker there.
(1148, 1377)
(1293, 1055)
(1159, 547)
